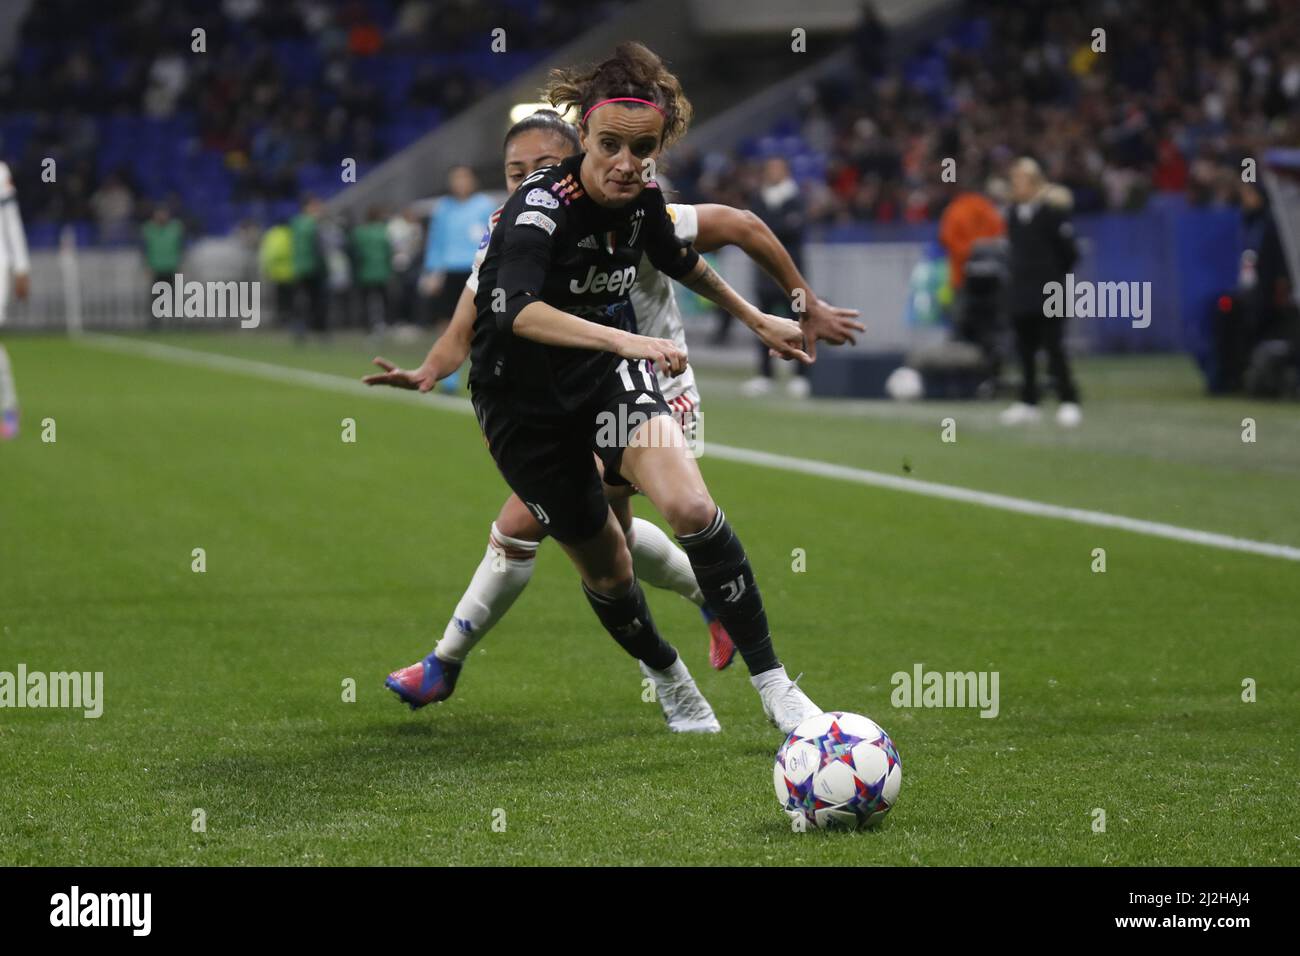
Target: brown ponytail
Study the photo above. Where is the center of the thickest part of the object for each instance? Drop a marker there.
(634, 70)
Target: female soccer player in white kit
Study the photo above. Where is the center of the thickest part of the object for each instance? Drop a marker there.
(13, 272)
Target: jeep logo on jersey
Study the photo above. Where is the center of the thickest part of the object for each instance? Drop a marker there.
(540, 197)
(615, 283)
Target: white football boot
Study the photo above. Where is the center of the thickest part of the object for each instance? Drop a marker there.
(685, 708)
(783, 702)
(1020, 414)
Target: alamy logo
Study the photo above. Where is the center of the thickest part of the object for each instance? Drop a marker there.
(208, 300)
(623, 428)
(1098, 300)
(103, 909)
(923, 688)
(75, 689)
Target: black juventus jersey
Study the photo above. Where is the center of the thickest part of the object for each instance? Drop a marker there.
(555, 244)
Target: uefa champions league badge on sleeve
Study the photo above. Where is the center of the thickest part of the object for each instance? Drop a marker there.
(540, 197)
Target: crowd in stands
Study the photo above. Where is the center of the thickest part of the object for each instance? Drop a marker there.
(1184, 90)
(137, 109)
(1181, 92)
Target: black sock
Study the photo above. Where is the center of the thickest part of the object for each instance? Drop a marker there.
(628, 620)
(727, 581)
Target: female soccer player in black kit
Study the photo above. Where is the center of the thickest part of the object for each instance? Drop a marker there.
(556, 361)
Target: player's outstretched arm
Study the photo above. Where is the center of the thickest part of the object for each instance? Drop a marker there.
(721, 225)
(783, 337)
(551, 326)
(447, 355)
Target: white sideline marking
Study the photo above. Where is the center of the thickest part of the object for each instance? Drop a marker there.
(270, 371)
(749, 456)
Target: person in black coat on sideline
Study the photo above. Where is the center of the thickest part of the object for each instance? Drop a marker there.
(1043, 250)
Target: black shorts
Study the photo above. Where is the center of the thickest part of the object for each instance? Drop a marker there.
(545, 455)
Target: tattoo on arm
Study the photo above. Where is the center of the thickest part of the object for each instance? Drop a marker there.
(708, 283)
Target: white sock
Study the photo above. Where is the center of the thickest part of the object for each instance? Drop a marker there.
(776, 674)
(8, 394)
(500, 577)
(660, 563)
(674, 672)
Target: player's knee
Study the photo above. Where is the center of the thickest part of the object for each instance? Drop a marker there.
(690, 511)
(614, 581)
(516, 521)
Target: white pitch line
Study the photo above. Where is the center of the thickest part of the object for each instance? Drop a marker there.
(749, 456)
(1101, 519)
(269, 371)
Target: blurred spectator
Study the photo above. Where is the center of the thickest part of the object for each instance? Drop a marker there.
(1263, 286)
(163, 237)
(275, 258)
(372, 255)
(1043, 250)
(405, 238)
(967, 219)
(457, 225)
(969, 223)
(310, 274)
(778, 203)
(113, 206)
(335, 246)
(167, 79)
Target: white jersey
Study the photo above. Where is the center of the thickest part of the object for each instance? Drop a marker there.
(13, 243)
(481, 254)
(653, 299)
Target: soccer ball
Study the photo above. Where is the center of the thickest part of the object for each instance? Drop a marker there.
(904, 384)
(837, 770)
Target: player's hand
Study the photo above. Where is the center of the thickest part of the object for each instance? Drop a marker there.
(665, 353)
(783, 337)
(421, 379)
(829, 323)
(22, 285)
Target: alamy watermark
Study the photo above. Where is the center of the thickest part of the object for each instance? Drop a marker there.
(622, 427)
(922, 688)
(75, 689)
(1098, 300)
(75, 908)
(179, 299)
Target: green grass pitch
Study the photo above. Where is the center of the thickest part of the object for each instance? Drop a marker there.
(327, 560)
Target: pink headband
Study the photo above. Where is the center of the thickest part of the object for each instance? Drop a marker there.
(621, 99)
